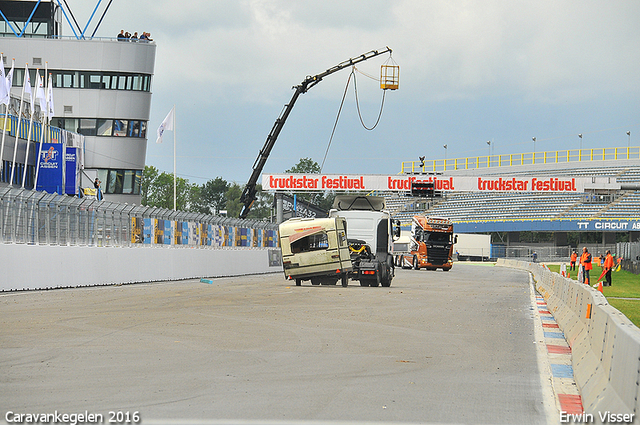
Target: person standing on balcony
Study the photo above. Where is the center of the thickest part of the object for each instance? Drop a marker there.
(585, 263)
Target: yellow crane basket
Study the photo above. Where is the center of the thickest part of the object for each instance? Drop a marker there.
(389, 75)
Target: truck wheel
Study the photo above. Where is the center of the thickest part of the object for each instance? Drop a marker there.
(416, 265)
(375, 282)
(315, 281)
(298, 282)
(345, 280)
(445, 270)
(364, 282)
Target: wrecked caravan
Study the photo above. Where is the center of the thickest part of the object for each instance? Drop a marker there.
(315, 249)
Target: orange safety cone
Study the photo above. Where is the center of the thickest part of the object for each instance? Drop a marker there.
(600, 287)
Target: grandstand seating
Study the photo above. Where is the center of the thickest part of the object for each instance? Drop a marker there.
(495, 206)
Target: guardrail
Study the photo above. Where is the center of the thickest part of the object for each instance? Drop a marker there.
(39, 218)
(605, 344)
(528, 158)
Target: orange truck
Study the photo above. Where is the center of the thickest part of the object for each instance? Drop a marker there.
(431, 245)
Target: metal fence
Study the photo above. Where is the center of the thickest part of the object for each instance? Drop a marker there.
(546, 253)
(629, 250)
(40, 218)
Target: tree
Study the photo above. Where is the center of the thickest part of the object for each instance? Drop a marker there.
(305, 165)
(261, 208)
(213, 194)
(323, 200)
(149, 174)
(157, 190)
(232, 198)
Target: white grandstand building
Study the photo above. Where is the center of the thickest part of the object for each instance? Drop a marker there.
(101, 89)
(610, 208)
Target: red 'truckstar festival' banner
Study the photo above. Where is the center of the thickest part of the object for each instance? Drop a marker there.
(359, 182)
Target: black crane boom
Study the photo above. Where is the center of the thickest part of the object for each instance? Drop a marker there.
(249, 192)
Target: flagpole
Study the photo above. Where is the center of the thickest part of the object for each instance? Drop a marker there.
(26, 156)
(4, 132)
(174, 160)
(42, 130)
(3, 80)
(15, 144)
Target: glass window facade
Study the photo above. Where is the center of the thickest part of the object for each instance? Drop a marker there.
(120, 181)
(89, 80)
(103, 127)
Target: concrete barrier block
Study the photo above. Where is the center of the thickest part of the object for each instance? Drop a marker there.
(598, 331)
(607, 401)
(610, 337)
(574, 330)
(590, 379)
(580, 347)
(624, 366)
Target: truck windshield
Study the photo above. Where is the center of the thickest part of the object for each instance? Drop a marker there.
(313, 242)
(439, 237)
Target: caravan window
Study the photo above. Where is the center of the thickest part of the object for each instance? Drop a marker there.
(314, 242)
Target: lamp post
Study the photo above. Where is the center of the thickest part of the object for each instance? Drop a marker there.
(533, 159)
(580, 136)
(629, 139)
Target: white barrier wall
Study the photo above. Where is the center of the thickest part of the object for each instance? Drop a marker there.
(44, 266)
(605, 344)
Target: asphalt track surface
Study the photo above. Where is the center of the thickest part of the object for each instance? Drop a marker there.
(435, 347)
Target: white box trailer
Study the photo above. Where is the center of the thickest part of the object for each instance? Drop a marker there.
(472, 247)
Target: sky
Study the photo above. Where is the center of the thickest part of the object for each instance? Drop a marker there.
(470, 72)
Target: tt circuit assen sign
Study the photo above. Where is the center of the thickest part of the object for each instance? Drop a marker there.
(359, 182)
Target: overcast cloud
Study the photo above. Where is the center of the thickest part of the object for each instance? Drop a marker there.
(470, 71)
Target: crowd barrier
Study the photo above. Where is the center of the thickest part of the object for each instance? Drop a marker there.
(58, 241)
(34, 218)
(605, 344)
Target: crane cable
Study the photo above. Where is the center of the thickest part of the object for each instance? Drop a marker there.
(344, 95)
(335, 124)
(355, 87)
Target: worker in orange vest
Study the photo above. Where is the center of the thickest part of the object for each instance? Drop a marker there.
(574, 258)
(608, 266)
(585, 263)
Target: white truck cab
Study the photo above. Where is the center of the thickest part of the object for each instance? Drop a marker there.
(370, 235)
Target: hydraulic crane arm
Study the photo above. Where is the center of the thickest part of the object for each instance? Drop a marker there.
(249, 192)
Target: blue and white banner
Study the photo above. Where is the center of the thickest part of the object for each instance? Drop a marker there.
(72, 172)
(550, 226)
(147, 230)
(51, 173)
(168, 226)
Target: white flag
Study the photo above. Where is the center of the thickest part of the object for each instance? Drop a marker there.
(40, 92)
(3, 85)
(8, 83)
(51, 110)
(167, 124)
(27, 87)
